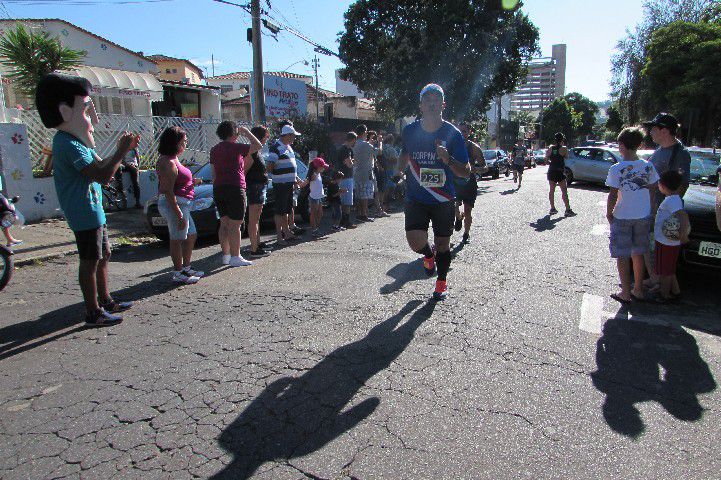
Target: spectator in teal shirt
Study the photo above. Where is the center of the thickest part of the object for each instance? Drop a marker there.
(63, 102)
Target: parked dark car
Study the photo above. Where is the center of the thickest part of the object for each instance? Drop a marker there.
(703, 251)
(497, 163)
(204, 212)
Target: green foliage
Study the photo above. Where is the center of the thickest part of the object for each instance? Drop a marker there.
(31, 55)
(475, 49)
(682, 73)
(614, 124)
(587, 110)
(559, 116)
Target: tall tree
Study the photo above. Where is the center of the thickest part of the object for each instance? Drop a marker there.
(627, 85)
(682, 73)
(31, 55)
(475, 49)
(559, 116)
(587, 110)
(614, 124)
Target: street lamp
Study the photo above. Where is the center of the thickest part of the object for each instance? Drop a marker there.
(305, 62)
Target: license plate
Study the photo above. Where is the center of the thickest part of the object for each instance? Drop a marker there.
(710, 249)
(159, 222)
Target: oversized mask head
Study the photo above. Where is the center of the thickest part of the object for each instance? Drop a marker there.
(63, 102)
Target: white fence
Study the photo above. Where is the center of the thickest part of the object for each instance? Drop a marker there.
(201, 136)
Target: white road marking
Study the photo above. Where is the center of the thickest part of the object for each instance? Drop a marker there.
(601, 230)
(592, 314)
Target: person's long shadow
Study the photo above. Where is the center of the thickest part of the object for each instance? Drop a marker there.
(509, 192)
(23, 336)
(293, 417)
(546, 223)
(638, 362)
(402, 274)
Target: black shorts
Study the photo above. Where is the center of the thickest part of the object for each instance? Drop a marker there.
(419, 215)
(93, 244)
(256, 193)
(283, 195)
(518, 168)
(556, 176)
(467, 193)
(230, 201)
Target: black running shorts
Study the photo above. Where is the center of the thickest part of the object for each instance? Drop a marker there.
(230, 201)
(556, 176)
(420, 215)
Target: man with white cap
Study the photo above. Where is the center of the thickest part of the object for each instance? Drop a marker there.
(433, 152)
(281, 164)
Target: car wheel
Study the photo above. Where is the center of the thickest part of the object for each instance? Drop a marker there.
(569, 176)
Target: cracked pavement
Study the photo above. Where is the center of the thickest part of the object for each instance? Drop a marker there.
(325, 361)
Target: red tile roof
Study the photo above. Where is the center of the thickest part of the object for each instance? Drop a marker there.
(160, 58)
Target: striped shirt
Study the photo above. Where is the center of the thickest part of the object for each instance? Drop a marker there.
(281, 158)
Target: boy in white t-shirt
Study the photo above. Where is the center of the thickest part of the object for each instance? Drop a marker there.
(671, 230)
(629, 213)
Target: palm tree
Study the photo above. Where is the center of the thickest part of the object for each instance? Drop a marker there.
(31, 55)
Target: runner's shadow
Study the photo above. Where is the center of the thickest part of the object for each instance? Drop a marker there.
(294, 417)
(403, 273)
(546, 223)
(639, 362)
(509, 192)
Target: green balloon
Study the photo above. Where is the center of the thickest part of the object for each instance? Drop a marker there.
(509, 4)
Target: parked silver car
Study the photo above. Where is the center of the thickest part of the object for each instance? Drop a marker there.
(591, 164)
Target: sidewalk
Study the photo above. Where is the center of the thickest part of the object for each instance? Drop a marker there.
(52, 238)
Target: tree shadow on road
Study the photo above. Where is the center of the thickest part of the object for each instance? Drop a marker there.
(402, 274)
(546, 223)
(294, 417)
(640, 362)
(20, 337)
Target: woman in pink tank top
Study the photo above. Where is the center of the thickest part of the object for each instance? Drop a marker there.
(176, 191)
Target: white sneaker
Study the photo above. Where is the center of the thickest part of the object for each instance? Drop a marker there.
(226, 260)
(184, 278)
(193, 273)
(239, 261)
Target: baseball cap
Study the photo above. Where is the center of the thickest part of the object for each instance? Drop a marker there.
(664, 120)
(288, 129)
(318, 162)
(432, 87)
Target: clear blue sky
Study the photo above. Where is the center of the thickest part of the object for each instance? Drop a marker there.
(195, 29)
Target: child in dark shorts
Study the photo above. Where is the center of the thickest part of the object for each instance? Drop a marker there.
(334, 194)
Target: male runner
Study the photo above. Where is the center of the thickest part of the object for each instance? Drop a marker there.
(518, 162)
(467, 191)
(434, 151)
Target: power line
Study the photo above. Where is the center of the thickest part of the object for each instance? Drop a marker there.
(82, 2)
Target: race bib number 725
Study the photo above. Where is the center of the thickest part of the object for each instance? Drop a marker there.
(433, 177)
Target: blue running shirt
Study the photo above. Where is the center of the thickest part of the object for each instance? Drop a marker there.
(429, 180)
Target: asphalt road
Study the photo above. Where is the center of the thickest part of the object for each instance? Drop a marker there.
(326, 361)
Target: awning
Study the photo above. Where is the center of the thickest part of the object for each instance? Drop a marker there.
(121, 83)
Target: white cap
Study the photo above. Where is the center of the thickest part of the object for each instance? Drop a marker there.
(432, 87)
(288, 129)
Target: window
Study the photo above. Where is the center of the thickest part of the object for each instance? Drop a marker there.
(584, 153)
(608, 157)
(117, 106)
(226, 88)
(103, 105)
(128, 106)
(167, 70)
(175, 70)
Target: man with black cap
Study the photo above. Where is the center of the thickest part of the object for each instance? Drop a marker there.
(64, 103)
(670, 155)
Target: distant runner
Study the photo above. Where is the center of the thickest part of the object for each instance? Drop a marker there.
(434, 151)
(518, 162)
(556, 159)
(467, 191)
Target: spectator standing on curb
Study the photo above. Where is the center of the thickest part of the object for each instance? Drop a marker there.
(130, 164)
(176, 191)
(345, 165)
(314, 181)
(229, 160)
(8, 216)
(281, 165)
(364, 159)
(670, 155)
(64, 103)
(256, 179)
(629, 212)
(334, 199)
(390, 161)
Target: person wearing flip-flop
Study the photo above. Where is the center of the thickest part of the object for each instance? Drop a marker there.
(8, 217)
(628, 210)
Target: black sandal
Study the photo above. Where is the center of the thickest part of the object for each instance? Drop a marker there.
(620, 300)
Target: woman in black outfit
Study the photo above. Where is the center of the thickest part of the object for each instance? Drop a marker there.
(257, 184)
(556, 159)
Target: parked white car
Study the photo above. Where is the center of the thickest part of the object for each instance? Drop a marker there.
(591, 164)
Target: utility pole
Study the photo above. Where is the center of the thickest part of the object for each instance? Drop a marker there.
(317, 92)
(498, 125)
(258, 88)
(212, 62)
